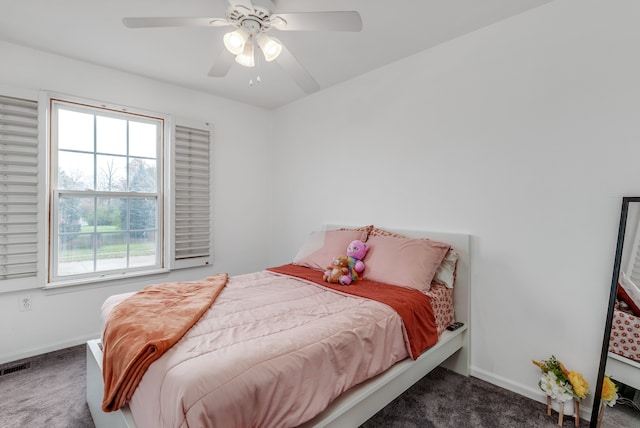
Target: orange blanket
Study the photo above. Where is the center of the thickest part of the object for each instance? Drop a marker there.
(413, 306)
(141, 328)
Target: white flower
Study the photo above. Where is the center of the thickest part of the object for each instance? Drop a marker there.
(564, 396)
(611, 403)
(609, 392)
(555, 388)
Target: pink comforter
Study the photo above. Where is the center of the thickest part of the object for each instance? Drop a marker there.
(145, 326)
(254, 357)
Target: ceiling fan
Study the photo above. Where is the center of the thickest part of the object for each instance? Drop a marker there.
(252, 22)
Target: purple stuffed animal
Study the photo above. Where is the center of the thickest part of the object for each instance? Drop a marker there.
(356, 251)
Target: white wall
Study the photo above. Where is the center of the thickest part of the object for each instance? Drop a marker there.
(71, 315)
(525, 134)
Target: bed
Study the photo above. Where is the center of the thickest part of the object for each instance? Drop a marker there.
(360, 401)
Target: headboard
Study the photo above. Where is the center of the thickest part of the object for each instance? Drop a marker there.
(461, 243)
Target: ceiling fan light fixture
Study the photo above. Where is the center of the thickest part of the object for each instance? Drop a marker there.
(270, 46)
(235, 41)
(246, 57)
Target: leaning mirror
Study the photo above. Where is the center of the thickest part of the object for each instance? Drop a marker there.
(620, 356)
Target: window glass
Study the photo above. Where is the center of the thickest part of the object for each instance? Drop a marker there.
(111, 173)
(106, 192)
(142, 175)
(75, 131)
(75, 170)
(143, 139)
(111, 135)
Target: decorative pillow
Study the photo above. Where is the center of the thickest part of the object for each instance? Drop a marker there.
(446, 273)
(321, 247)
(629, 293)
(366, 229)
(406, 262)
(381, 232)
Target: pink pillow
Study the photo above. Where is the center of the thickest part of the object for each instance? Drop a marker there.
(406, 262)
(321, 247)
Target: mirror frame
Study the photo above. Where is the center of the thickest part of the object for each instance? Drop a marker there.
(612, 301)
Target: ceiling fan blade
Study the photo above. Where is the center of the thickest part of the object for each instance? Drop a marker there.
(297, 72)
(317, 21)
(174, 22)
(246, 3)
(223, 64)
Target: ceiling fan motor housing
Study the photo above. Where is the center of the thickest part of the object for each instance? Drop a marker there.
(253, 21)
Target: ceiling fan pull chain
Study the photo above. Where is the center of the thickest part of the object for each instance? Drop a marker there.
(258, 80)
(257, 68)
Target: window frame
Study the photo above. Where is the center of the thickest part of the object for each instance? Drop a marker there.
(53, 192)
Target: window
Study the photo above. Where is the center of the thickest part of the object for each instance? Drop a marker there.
(106, 207)
(99, 192)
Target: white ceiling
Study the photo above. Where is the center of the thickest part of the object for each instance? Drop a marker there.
(92, 31)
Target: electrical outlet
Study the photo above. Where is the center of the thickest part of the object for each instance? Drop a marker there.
(26, 303)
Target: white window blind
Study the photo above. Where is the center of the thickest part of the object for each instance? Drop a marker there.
(192, 197)
(18, 188)
(633, 267)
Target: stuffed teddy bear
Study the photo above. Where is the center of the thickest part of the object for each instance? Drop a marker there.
(338, 271)
(353, 263)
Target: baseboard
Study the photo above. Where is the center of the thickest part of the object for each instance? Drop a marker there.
(532, 392)
(7, 358)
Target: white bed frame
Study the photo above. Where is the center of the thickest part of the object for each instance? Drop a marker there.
(624, 369)
(364, 400)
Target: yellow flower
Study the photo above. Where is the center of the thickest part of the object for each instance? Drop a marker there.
(609, 390)
(579, 384)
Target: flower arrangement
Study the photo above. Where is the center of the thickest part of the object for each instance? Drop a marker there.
(559, 383)
(609, 392)
(562, 385)
(607, 398)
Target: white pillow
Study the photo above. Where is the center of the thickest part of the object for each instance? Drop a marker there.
(446, 273)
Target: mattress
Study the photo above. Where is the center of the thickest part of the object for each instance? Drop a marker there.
(272, 351)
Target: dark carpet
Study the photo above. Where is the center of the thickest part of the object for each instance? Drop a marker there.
(51, 394)
(445, 399)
